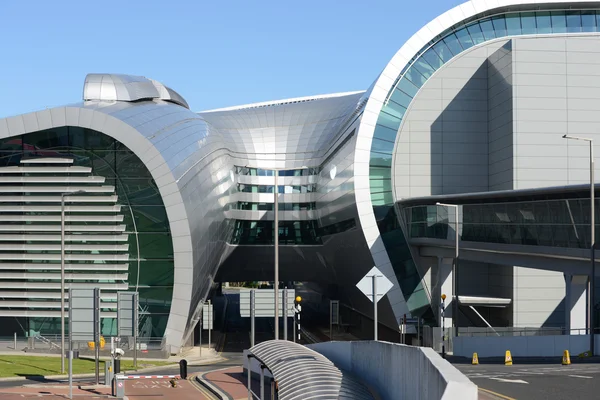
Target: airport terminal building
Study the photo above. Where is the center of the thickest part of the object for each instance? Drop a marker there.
(471, 111)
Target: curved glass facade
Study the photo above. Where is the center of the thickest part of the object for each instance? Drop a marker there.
(424, 64)
(150, 258)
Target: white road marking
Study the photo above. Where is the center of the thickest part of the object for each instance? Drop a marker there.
(580, 376)
(510, 380)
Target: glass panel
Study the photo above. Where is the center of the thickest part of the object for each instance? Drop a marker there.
(573, 21)
(407, 87)
(382, 132)
(380, 185)
(451, 41)
(388, 121)
(154, 273)
(401, 98)
(382, 146)
(476, 34)
(513, 24)
(395, 110)
(588, 21)
(154, 246)
(464, 38)
(380, 199)
(499, 26)
(528, 24)
(443, 51)
(488, 29)
(559, 22)
(433, 60)
(380, 173)
(380, 160)
(543, 22)
(414, 75)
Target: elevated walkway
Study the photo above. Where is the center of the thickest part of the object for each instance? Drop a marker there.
(543, 228)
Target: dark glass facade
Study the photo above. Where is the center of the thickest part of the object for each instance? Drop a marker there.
(246, 205)
(244, 188)
(151, 260)
(556, 223)
(261, 233)
(269, 172)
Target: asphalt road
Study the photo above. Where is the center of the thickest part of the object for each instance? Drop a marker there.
(537, 382)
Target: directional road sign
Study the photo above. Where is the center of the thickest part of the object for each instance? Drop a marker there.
(383, 284)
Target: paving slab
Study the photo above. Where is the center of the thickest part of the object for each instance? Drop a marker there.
(231, 381)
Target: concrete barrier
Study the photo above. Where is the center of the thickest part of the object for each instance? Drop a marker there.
(398, 371)
(522, 346)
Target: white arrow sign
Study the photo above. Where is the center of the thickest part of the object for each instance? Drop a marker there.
(383, 284)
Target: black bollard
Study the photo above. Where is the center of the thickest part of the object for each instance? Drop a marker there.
(117, 366)
(183, 369)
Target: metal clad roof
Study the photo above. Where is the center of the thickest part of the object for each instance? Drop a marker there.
(302, 373)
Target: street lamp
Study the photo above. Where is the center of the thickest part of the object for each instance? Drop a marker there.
(591, 283)
(62, 276)
(454, 268)
(276, 245)
(443, 326)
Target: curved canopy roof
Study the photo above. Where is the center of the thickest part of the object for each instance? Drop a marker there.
(302, 373)
(121, 87)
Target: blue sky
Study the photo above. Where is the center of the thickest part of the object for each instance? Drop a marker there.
(215, 53)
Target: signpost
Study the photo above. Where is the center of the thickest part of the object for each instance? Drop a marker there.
(84, 321)
(259, 303)
(127, 318)
(207, 319)
(374, 285)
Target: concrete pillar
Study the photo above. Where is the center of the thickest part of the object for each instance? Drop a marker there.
(576, 303)
(445, 285)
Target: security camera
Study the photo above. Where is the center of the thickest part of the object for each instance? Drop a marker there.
(118, 353)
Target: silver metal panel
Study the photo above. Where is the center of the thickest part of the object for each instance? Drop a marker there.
(127, 308)
(265, 302)
(83, 314)
(208, 316)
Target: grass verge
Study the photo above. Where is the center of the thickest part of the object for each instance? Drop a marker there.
(11, 366)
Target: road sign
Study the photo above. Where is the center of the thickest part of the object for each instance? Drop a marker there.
(84, 315)
(207, 316)
(383, 284)
(265, 303)
(127, 310)
(374, 285)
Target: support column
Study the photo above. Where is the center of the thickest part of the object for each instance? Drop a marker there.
(576, 303)
(446, 287)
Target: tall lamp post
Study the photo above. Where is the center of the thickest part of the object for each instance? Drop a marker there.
(62, 276)
(454, 268)
(276, 245)
(591, 283)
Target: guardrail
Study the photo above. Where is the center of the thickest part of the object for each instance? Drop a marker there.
(398, 371)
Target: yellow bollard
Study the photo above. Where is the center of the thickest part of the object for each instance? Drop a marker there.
(507, 358)
(585, 354)
(475, 360)
(566, 360)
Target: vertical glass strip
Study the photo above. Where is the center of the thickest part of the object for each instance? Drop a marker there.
(543, 22)
(528, 23)
(499, 26)
(513, 24)
(476, 34)
(487, 28)
(573, 21)
(559, 22)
